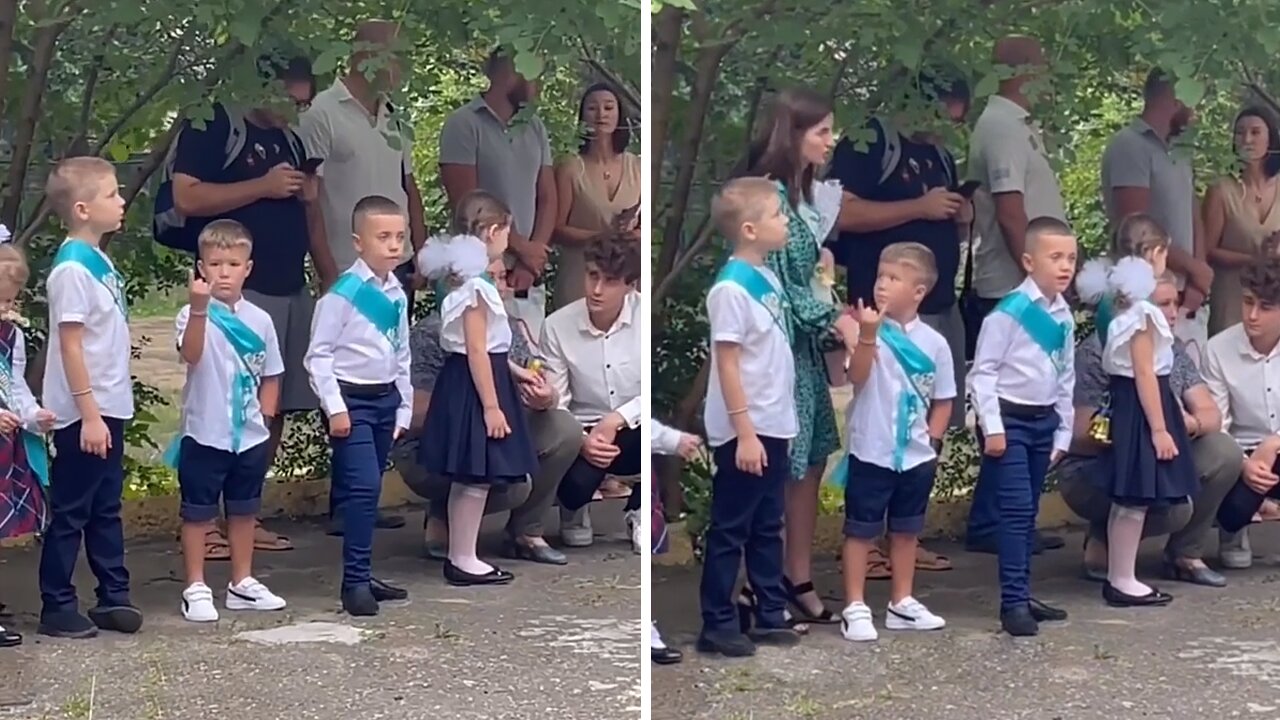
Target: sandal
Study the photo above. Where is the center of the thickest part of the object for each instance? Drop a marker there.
(1269, 512)
(216, 546)
(799, 612)
(612, 489)
(931, 561)
(266, 541)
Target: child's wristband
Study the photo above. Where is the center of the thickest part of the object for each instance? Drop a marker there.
(739, 411)
(81, 393)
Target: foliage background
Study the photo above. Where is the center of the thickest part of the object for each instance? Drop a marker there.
(115, 78)
(715, 62)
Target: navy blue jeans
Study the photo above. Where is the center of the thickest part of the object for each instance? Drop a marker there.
(746, 514)
(358, 462)
(84, 499)
(1015, 480)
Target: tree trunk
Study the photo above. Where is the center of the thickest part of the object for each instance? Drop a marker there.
(8, 19)
(666, 50)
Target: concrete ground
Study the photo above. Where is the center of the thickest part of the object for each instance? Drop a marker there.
(1210, 654)
(560, 642)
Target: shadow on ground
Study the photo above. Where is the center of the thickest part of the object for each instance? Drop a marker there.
(1211, 654)
(557, 643)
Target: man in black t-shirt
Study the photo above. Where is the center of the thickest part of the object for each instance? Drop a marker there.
(263, 188)
(902, 190)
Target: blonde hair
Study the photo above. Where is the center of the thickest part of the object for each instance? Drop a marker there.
(740, 201)
(1137, 235)
(224, 235)
(75, 180)
(13, 266)
(479, 211)
(914, 255)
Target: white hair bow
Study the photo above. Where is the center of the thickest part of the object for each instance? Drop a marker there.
(5, 235)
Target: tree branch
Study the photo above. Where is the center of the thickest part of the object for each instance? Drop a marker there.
(144, 97)
(625, 91)
(666, 50)
(8, 19)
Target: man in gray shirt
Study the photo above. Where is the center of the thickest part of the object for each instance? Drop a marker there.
(484, 146)
(1143, 172)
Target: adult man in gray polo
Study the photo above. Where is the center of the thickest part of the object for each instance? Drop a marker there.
(1143, 172)
(483, 146)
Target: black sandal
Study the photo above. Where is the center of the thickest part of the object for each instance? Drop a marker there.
(801, 614)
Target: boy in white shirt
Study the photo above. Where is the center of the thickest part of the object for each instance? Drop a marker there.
(88, 387)
(904, 381)
(1021, 383)
(750, 420)
(232, 388)
(358, 361)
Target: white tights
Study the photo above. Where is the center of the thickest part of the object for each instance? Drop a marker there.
(466, 511)
(1124, 533)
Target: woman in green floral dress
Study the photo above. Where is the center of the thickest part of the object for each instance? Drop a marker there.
(796, 144)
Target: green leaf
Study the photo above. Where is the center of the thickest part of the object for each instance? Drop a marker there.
(1189, 90)
(328, 60)
(988, 85)
(246, 29)
(529, 65)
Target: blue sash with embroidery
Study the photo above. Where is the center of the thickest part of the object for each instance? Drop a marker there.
(251, 352)
(749, 278)
(1052, 336)
(36, 450)
(1103, 316)
(90, 259)
(373, 304)
(914, 399)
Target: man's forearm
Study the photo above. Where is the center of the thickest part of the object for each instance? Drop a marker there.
(318, 245)
(863, 216)
(417, 216)
(206, 199)
(544, 220)
(1013, 226)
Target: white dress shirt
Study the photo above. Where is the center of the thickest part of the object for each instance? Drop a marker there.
(872, 431)
(208, 394)
(24, 402)
(1117, 357)
(1008, 364)
(346, 347)
(1246, 385)
(595, 371)
(664, 438)
(497, 324)
(766, 365)
(77, 297)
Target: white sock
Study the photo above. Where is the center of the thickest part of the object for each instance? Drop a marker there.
(466, 511)
(1124, 534)
(655, 638)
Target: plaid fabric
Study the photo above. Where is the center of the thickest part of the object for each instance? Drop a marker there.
(658, 522)
(22, 503)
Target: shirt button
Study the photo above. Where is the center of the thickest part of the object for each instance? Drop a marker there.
(607, 366)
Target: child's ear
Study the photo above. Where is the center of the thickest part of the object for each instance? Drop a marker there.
(1027, 263)
(248, 267)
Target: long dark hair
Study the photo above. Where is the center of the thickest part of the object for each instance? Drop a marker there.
(1270, 163)
(775, 151)
(621, 136)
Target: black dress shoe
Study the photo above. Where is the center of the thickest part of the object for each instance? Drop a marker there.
(388, 522)
(9, 638)
(729, 643)
(457, 576)
(1046, 613)
(990, 546)
(544, 554)
(1019, 622)
(384, 592)
(783, 636)
(118, 618)
(360, 601)
(66, 624)
(1115, 598)
(666, 656)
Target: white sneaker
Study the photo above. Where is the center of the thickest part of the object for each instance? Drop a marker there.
(911, 614)
(252, 595)
(197, 604)
(633, 529)
(856, 625)
(1234, 550)
(575, 527)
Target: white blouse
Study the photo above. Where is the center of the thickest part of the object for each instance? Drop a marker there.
(471, 292)
(1117, 358)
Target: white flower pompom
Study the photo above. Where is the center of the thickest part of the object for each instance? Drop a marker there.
(1134, 278)
(827, 197)
(470, 256)
(433, 258)
(1091, 281)
(5, 235)
(463, 256)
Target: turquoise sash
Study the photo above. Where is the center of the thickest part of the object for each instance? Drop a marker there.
(36, 450)
(82, 254)
(1052, 336)
(749, 278)
(251, 352)
(369, 300)
(1103, 316)
(916, 396)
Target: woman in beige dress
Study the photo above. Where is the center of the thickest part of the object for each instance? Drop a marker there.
(595, 186)
(1240, 213)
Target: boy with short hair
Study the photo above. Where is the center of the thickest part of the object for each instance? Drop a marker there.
(904, 383)
(232, 390)
(750, 420)
(358, 361)
(88, 387)
(1021, 382)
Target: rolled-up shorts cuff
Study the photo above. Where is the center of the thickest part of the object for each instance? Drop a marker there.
(913, 525)
(860, 530)
(198, 513)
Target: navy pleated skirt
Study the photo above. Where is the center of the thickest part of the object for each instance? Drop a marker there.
(454, 442)
(1131, 474)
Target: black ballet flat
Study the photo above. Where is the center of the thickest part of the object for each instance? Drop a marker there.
(1115, 598)
(461, 578)
(9, 638)
(801, 614)
(666, 656)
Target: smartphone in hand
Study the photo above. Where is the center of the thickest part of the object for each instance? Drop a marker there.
(311, 165)
(968, 189)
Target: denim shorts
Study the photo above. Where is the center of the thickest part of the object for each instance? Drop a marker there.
(207, 475)
(872, 492)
